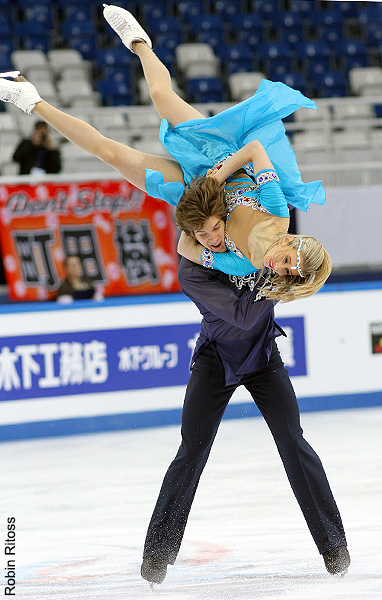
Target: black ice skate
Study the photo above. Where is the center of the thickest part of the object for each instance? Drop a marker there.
(337, 560)
(153, 569)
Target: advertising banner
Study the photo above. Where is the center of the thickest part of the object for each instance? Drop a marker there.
(110, 360)
(125, 239)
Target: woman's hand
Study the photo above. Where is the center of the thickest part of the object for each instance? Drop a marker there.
(215, 174)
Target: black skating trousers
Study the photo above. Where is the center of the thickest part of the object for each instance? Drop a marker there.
(206, 398)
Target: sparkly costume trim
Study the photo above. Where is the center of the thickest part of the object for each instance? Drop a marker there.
(244, 280)
(238, 198)
(266, 176)
(232, 246)
(250, 282)
(206, 258)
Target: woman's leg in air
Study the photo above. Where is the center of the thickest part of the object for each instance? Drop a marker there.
(167, 102)
(131, 163)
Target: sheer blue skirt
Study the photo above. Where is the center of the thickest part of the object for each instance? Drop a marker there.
(200, 143)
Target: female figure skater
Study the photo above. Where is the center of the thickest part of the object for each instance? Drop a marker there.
(255, 235)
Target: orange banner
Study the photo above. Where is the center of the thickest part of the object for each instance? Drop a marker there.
(125, 239)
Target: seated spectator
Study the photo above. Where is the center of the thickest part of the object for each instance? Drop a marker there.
(76, 286)
(38, 154)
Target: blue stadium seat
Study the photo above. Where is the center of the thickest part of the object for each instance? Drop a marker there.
(247, 28)
(314, 56)
(117, 57)
(330, 84)
(167, 56)
(65, 3)
(227, 8)
(347, 10)
(120, 74)
(214, 39)
(23, 28)
(236, 57)
(31, 36)
(153, 10)
(5, 61)
(163, 25)
(289, 25)
(37, 43)
(114, 94)
(87, 46)
(371, 13)
(266, 8)
(351, 54)
(205, 89)
(275, 55)
(79, 29)
(206, 23)
(78, 13)
(313, 49)
(5, 29)
(41, 14)
(168, 40)
(186, 9)
(23, 4)
(329, 24)
(373, 33)
(295, 80)
(304, 7)
(6, 46)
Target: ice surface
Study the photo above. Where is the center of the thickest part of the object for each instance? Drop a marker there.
(82, 506)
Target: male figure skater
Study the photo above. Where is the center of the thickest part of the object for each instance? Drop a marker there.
(236, 346)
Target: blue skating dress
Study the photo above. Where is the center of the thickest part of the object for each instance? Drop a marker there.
(199, 144)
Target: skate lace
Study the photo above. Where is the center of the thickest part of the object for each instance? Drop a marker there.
(7, 95)
(119, 23)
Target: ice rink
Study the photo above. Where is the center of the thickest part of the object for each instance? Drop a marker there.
(82, 506)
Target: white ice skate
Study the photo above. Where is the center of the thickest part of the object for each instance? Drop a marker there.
(21, 93)
(127, 27)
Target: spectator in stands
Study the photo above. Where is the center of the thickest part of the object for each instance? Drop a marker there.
(296, 266)
(76, 286)
(38, 154)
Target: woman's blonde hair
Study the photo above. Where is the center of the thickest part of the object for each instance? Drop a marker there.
(317, 267)
(204, 198)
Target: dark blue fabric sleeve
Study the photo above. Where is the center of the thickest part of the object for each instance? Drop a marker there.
(202, 287)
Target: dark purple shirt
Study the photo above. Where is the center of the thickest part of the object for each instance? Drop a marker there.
(240, 327)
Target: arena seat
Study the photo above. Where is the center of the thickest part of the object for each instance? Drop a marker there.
(366, 80)
(244, 85)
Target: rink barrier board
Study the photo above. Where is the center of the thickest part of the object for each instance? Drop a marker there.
(165, 418)
(340, 373)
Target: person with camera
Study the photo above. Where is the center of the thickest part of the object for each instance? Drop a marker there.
(38, 154)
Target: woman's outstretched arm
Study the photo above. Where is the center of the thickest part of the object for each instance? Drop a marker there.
(253, 152)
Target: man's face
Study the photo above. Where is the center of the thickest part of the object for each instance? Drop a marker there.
(212, 234)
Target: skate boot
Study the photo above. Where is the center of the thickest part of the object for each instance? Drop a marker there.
(337, 560)
(21, 93)
(153, 569)
(127, 27)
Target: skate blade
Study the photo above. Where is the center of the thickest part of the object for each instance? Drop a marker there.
(151, 586)
(13, 74)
